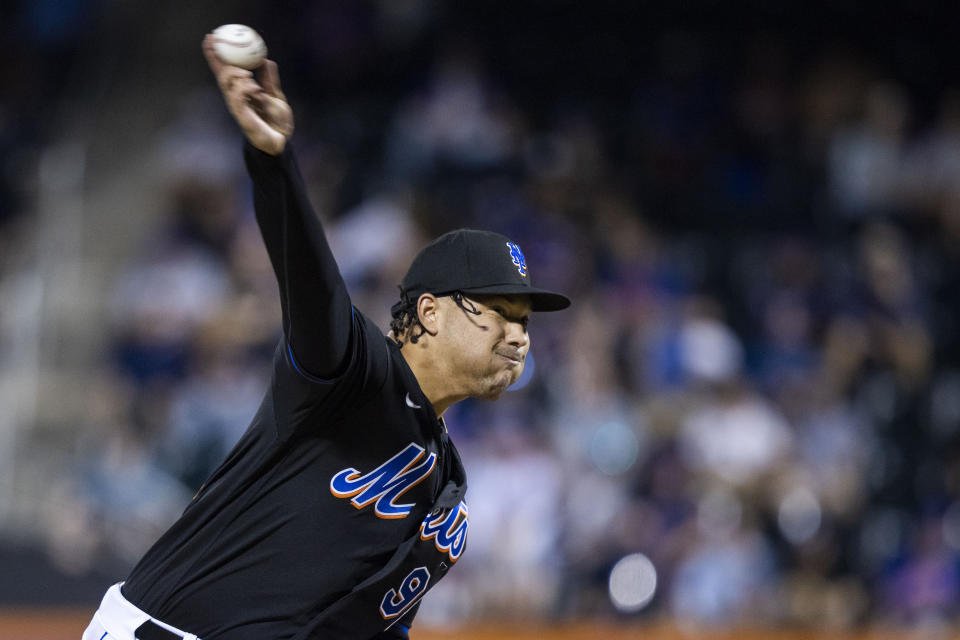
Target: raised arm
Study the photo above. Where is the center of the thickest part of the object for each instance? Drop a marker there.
(317, 314)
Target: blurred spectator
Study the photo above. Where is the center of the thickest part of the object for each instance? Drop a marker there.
(456, 122)
(867, 159)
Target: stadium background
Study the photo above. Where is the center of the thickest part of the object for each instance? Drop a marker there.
(755, 206)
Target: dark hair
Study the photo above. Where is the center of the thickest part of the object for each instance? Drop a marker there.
(405, 314)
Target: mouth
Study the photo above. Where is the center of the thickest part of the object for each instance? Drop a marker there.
(513, 359)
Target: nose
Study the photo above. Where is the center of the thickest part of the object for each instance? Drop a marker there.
(517, 336)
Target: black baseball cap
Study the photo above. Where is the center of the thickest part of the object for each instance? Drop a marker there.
(472, 261)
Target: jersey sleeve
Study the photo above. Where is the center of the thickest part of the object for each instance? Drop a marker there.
(317, 313)
(302, 402)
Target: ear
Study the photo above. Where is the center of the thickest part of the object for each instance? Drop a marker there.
(428, 310)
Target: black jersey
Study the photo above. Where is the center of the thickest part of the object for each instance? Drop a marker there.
(341, 504)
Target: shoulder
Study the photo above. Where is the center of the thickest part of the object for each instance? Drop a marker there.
(367, 362)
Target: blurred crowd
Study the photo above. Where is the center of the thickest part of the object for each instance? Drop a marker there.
(36, 40)
(758, 384)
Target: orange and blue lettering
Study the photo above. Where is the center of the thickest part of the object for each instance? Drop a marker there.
(387, 483)
(448, 529)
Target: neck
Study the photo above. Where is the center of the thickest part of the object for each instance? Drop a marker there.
(433, 377)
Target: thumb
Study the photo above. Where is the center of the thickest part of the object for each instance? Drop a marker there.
(270, 79)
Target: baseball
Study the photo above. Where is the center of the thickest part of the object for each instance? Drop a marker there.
(239, 45)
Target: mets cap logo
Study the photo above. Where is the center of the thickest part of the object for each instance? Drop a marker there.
(518, 260)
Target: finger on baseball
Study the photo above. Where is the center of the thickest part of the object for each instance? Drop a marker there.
(215, 63)
(224, 73)
(270, 78)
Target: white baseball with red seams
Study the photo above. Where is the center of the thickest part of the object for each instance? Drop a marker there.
(239, 45)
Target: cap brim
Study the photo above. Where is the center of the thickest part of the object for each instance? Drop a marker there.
(540, 299)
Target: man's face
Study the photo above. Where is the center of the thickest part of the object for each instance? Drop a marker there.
(489, 348)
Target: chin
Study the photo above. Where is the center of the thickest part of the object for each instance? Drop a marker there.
(496, 388)
(491, 393)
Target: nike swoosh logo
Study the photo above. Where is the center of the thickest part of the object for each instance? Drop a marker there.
(410, 403)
